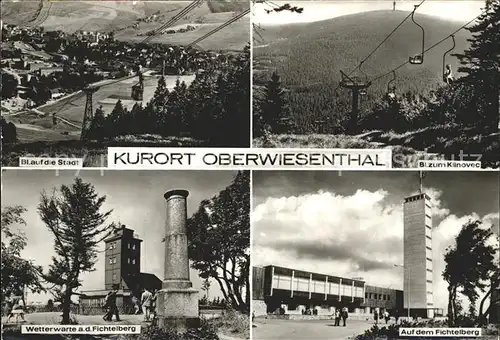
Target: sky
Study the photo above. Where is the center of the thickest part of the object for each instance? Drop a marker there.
(350, 224)
(460, 10)
(136, 198)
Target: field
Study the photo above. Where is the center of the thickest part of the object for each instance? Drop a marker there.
(120, 16)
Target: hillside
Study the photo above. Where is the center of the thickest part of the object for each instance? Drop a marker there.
(311, 55)
(120, 16)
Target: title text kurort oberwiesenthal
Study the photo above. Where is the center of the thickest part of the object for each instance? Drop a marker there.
(248, 159)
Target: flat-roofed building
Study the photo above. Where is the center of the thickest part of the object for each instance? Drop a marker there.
(294, 291)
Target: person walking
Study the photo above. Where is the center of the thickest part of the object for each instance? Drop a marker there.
(137, 307)
(110, 303)
(146, 303)
(152, 305)
(387, 317)
(375, 317)
(337, 317)
(345, 315)
(17, 309)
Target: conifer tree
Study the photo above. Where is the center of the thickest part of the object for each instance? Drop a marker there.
(73, 216)
(481, 64)
(97, 130)
(273, 107)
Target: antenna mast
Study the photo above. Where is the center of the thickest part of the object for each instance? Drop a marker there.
(421, 181)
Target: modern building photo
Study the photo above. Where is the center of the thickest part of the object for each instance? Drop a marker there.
(374, 244)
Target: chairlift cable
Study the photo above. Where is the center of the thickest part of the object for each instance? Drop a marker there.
(173, 20)
(385, 39)
(229, 22)
(431, 47)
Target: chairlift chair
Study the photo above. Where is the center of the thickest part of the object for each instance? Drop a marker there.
(445, 76)
(391, 89)
(419, 58)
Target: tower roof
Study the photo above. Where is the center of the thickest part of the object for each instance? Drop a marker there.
(417, 197)
(120, 233)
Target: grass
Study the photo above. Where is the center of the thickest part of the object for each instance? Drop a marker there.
(94, 154)
(233, 324)
(313, 141)
(403, 157)
(392, 331)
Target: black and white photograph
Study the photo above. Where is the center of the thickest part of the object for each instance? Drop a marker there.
(360, 255)
(81, 76)
(420, 77)
(166, 251)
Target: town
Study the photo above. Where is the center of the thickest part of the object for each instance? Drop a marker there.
(39, 66)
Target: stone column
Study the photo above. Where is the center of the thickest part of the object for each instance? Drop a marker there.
(177, 301)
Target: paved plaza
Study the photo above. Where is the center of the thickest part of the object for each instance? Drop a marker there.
(272, 329)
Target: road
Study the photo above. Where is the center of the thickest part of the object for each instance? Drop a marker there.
(272, 329)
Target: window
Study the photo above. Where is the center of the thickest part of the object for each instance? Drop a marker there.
(429, 259)
(428, 227)
(427, 216)
(380, 296)
(388, 298)
(133, 246)
(129, 246)
(428, 248)
(430, 238)
(133, 261)
(110, 260)
(114, 259)
(366, 295)
(429, 281)
(128, 260)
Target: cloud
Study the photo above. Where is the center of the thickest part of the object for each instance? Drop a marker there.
(359, 235)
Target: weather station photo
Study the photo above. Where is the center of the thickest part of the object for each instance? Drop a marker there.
(80, 76)
(418, 77)
(367, 255)
(125, 255)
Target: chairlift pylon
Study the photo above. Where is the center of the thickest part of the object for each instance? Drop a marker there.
(447, 74)
(365, 76)
(419, 58)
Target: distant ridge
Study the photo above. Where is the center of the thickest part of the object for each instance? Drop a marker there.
(311, 53)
